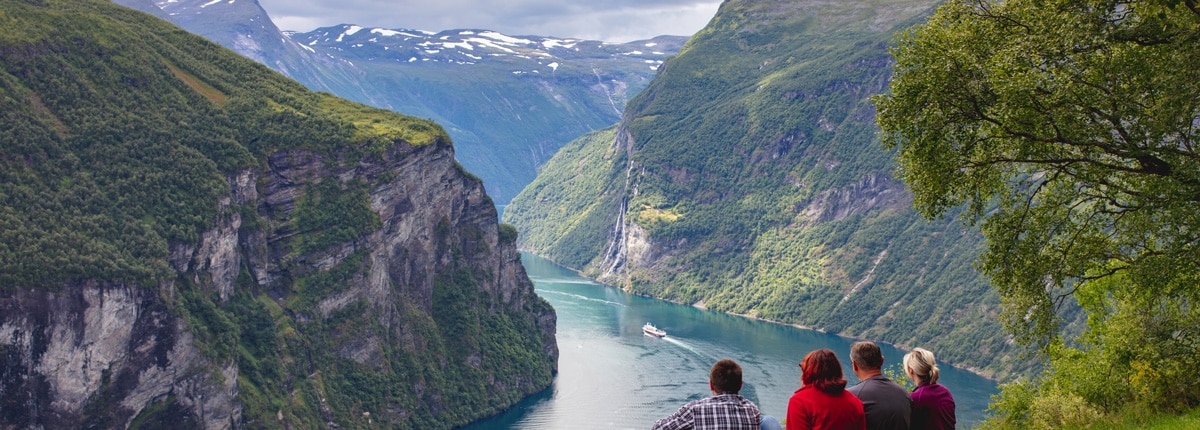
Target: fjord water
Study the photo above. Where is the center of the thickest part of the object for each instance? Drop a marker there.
(611, 376)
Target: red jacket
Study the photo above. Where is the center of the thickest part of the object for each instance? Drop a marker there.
(814, 409)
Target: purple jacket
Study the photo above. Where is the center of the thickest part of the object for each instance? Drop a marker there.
(933, 408)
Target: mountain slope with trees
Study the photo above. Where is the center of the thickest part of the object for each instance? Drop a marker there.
(191, 240)
(748, 178)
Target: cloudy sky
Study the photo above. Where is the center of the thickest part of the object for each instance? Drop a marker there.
(606, 20)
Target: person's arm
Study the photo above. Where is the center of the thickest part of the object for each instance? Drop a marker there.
(680, 420)
(797, 415)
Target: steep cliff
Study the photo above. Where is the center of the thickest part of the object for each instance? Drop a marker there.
(192, 240)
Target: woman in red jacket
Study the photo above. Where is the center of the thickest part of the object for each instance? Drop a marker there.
(822, 401)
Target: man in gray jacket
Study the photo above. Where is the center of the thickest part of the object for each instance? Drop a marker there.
(886, 403)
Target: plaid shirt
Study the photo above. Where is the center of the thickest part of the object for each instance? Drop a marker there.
(723, 411)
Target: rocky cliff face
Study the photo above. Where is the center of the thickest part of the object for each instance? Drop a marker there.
(94, 353)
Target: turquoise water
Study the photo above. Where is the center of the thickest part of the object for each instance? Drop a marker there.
(611, 376)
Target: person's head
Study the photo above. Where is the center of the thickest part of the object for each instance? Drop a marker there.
(921, 366)
(821, 370)
(866, 359)
(725, 377)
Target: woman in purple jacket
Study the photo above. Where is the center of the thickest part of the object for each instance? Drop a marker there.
(933, 406)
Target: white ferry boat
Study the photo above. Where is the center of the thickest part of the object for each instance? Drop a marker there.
(650, 329)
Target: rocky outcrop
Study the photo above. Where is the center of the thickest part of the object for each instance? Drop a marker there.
(95, 355)
(875, 192)
(99, 354)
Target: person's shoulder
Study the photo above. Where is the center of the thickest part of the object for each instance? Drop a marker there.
(943, 391)
(893, 385)
(920, 392)
(749, 405)
(847, 395)
(707, 400)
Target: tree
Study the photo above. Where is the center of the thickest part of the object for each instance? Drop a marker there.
(1068, 128)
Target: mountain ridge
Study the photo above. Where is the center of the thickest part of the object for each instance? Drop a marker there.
(504, 125)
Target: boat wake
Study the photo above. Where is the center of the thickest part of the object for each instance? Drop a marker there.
(575, 281)
(583, 297)
(690, 348)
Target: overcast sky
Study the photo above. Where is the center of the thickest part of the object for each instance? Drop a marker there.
(606, 20)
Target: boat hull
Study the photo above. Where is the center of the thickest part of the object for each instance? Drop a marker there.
(653, 331)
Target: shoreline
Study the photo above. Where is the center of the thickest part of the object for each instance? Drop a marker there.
(701, 305)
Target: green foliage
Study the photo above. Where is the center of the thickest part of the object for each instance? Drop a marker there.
(216, 332)
(1136, 358)
(568, 206)
(896, 373)
(312, 287)
(382, 126)
(116, 131)
(332, 213)
(1068, 129)
(507, 233)
(1076, 119)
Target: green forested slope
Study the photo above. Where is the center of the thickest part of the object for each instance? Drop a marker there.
(121, 137)
(756, 185)
(117, 128)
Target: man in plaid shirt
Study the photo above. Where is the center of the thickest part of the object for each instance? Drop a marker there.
(725, 410)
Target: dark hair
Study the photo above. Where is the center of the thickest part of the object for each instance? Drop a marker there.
(821, 370)
(867, 355)
(726, 376)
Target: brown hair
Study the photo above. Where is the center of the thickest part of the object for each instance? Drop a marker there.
(866, 355)
(822, 370)
(726, 376)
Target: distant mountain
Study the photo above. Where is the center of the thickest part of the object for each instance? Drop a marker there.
(748, 178)
(244, 27)
(509, 102)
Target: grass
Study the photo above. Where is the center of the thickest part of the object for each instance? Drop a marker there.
(216, 96)
(1188, 421)
(382, 125)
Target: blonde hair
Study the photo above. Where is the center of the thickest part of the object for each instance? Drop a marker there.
(921, 363)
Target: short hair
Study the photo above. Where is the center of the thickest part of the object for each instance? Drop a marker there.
(726, 376)
(922, 364)
(867, 355)
(822, 370)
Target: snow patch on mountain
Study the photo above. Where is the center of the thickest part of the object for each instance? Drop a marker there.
(473, 46)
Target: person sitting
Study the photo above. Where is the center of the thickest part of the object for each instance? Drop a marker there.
(933, 406)
(885, 402)
(726, 409)
(822, 401)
